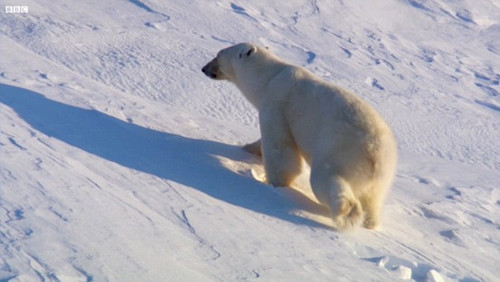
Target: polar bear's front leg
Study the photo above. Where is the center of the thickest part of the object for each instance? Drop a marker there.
(254, 148)
(282, 162)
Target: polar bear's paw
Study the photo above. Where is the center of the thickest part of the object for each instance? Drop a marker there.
(371, 221)
(259, 174)
(347, 213)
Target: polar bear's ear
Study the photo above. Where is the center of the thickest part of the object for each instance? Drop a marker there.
(248, 52)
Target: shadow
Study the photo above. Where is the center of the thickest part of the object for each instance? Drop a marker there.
(169, 156)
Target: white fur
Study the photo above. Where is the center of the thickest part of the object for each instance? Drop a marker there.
(351, 150)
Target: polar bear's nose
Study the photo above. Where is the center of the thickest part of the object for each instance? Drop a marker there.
(208, 72)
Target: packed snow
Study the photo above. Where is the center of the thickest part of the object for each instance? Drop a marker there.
(121, 161)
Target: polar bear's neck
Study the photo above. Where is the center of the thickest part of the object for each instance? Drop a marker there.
(252, 81)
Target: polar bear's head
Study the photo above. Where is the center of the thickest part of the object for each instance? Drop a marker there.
(225, 66)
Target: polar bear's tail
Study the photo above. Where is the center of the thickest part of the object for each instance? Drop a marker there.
(345, 208)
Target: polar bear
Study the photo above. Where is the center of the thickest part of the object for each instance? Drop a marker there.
(349, 147)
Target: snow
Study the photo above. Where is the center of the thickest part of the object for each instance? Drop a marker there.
(121, 161)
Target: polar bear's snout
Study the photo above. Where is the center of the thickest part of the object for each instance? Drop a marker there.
(212, 69)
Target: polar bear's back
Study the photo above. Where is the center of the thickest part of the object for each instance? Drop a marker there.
(324, 108)
(327, 121)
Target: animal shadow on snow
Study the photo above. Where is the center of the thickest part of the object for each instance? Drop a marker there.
(184, 160)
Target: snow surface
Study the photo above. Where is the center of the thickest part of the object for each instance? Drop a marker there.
(121, 161)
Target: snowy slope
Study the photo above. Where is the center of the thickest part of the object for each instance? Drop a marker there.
(120, 161)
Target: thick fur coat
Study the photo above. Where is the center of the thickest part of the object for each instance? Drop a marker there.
(350, 148)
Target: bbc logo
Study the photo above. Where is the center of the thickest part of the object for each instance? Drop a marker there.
(16, 9)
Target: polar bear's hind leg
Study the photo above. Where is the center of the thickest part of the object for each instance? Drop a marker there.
(372, 204)
(345, 208)
(335, 192)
